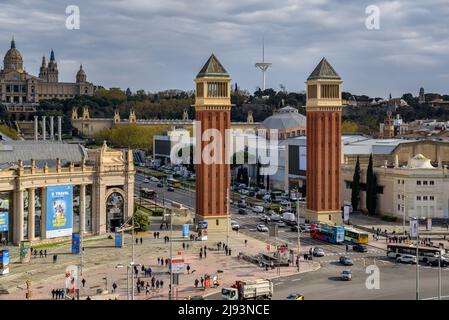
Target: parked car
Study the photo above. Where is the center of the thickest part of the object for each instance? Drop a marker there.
(443, 264)
(262, 228)
(346, 261)
(171, 189)
(359, 248)
(346, 275)
(275, 217)
(264, 218)
(318, 252)
(235, 225)
(258, 209)
(406, 258)
(146, 180)
(266, 197)
(285, 202)
(242, 211)
(251, 193)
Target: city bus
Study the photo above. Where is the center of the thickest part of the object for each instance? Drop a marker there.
(332, 234)
(174, 183)
(354, 236)
(148, 193)
(426, 254)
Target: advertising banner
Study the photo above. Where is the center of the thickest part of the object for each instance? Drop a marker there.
(185, 231)
(59, 211)
(202, 230)
(25, 251)
(3, 221)
(177, 265)
(119, 239)
(346, 214)
(413, 228)
(4, 261)
(76, 242)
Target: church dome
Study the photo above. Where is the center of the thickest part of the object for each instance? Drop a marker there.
(285, 118)
(81, 75)
(13, 59)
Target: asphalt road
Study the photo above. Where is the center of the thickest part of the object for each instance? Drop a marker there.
(397, 281)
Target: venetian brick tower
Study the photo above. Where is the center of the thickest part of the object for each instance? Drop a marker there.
(323, 109)
(213, 111)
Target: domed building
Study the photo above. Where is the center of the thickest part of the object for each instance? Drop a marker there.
(19, 87)
(287, 121)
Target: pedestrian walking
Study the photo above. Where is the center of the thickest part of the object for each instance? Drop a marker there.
(137, 241)
(166, 262)
(162, 225)
(45, 253)
(55, 258)
(53, 293)
(158, 261)
(202, 282)
(154, 235)
(41, 254)
(347, 248)
(157, 284)
(201, 255)
(229, 250)
(142, 268)
(246, 242)
(183, 246)
(158, 234)
(188, 269)
(83, 282)
(205, 254)
(188, 246)
(141, 240)
(149, 271)
(162, 262)
(196, 283)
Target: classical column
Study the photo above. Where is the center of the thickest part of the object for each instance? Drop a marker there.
(44, 132)
(43, 213)
(52, 129)
(18, 217)
(36, 129)
(59, 128)
(82, 208)
(31, 213)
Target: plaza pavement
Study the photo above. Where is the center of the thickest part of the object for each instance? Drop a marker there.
(102, 266)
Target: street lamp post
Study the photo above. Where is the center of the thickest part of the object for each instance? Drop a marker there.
(417, 258)
(297, 228)
(170, 296)
(132, 262)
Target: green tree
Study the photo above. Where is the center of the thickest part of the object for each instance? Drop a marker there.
(371, 188)
(141, 220)
(355, 195)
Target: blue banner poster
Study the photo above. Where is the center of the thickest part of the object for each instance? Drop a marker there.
(3, 221)
(76, 243)
(119, 239)
(4, 261)
(59, 211)
(185, 231)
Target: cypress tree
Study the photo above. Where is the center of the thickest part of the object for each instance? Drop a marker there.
(355, 195)
(371, 189)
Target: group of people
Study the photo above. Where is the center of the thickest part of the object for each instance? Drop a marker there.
(225, 248)
(185, 246)
(166, 239)
(196, 282)
(160, 261)
(162, 226)
(137, 240)
(58, 293)
(155, 284)
(42, 253)
(156, 235)
(203, 252)
(146, 271)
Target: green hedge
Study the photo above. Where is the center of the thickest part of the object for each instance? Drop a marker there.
(388, 218)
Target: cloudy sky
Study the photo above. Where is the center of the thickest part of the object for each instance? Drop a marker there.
(162, 44)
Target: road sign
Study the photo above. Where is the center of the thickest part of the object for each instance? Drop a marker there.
(413, 228)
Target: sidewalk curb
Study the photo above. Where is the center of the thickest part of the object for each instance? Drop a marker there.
(316, 266)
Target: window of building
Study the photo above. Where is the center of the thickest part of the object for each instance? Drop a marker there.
(399, 207)
(399, 196)
(418, 198)
(431, 182)
(399, 181)
(199, 90)
(418, 183)
(431, 198)
(424, 182)
(217, 222)
(424, 198)
(312, 91)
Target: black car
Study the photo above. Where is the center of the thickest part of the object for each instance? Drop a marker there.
(160, 185)
(444, 263)
(242, 211)
(359, 248)
(171, 189)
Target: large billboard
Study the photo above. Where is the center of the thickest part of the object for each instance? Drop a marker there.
(59, 221)
(3, 221)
